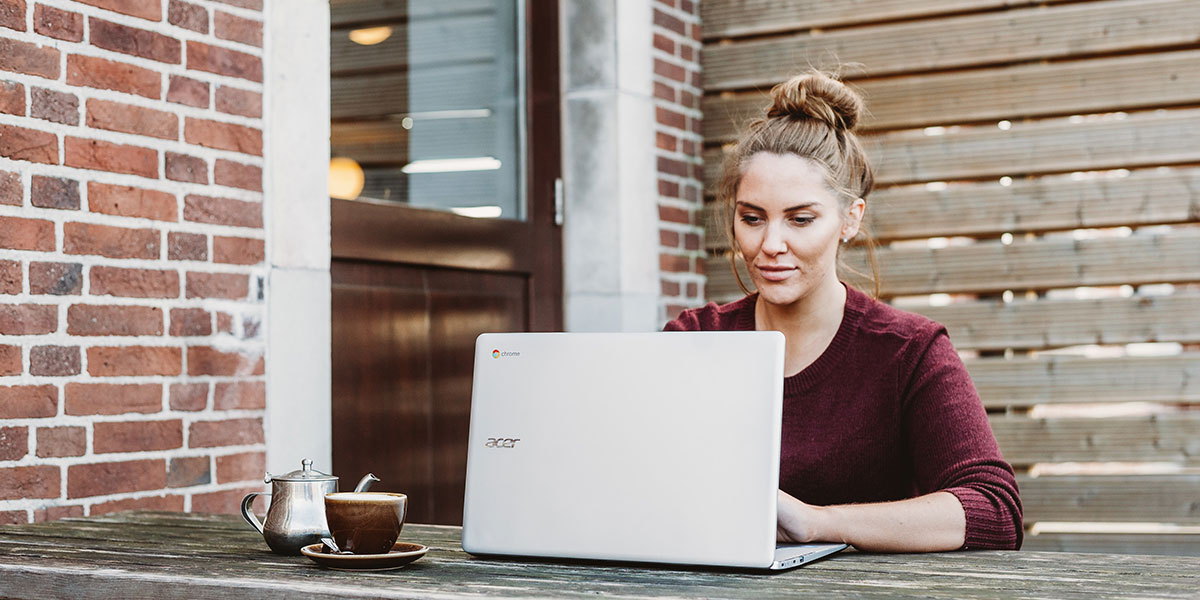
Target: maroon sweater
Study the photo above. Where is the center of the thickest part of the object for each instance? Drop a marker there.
(887, 412)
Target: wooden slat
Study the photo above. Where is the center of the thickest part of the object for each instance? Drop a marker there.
(955, 42)
(446, 40)
(992, 267)
(1022, 324)
(1013, 93)
(730, 18)
(387, 141)
(1124, 498)
(346, 13)
(1115, 543)
(459, 87)
(1053, 146)
(1159, 438)
(1074, 380)
(1144, 197)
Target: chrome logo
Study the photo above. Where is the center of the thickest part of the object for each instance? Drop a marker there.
(495, 354)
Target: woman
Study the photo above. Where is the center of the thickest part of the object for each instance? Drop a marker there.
(886, 445)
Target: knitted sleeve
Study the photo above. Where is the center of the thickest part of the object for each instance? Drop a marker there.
(952, 444)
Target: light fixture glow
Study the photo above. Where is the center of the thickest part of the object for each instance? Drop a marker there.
(477, 212)
(346, 178)
(451, 165)
(371, 35)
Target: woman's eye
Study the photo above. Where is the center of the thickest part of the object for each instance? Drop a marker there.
(750, 219)
(802, 220)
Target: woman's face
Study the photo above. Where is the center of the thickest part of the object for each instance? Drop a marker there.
(788, 224)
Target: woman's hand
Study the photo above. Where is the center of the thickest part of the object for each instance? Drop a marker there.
(799, 523)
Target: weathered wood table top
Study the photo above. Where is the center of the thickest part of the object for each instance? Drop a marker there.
(175, 555)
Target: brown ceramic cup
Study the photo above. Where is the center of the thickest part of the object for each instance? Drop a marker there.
(365, 522)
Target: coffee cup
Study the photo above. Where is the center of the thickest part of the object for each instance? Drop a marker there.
(365, 522)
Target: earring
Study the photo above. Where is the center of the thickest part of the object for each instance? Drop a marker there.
(845, 239)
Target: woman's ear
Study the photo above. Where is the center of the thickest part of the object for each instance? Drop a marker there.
(852, 220)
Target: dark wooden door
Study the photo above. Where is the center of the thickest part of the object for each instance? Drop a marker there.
(413, 287)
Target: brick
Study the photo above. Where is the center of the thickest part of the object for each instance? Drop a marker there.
(56, 442)
(10, 361)
(102, 479)
(224, 323)
(240, 395)
(136, 436)
(670, 288)
(55, 278)
(28, 319)
(28, 401)
(250, 327)
(664, 43)
(14, 517)
(236, 29)
(205, 360)
(230, 432)
(187, 246)
(188, 471)
(672, 166)
(127, 118)
(187, 16)
(112, 398)
(227, 502)
(151, 10)
(223, 136)
(232, 174)
(53, 192)
(222, 211)
(12, 98)
(185, 90)
(189, 396)
(58, 24)
(110, 241)
(232, 286)
(20, 143)
(693, 290)
(244, 466)
(239, 102)
(132, 202)
(54, 513)
(134, 41)
(106, 74)
(30, 59)
(691, 241)
(672, 263)
(222, 61)
(10, 277)
(670, 70)
(668, 238)
(689, 7)
(19, 483)
(238, 251)
(54, 361)
(665, 142)
(669, 189)
(107, 156)
(134, 283)
(128, 201)
(190, 322)
(14, 442)
(250, 4)
(12, 16)
(662, 19)
(59, 107)
(118, 361)
(664, 91)
(181, 167)
(670, 118)
(12, 192)
(91, 320)
(167, 503)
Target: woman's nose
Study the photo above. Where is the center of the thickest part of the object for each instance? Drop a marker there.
(773, 242)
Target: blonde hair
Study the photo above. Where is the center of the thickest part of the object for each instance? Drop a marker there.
(812, 116)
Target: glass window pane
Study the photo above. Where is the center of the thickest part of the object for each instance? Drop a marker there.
(427, 100)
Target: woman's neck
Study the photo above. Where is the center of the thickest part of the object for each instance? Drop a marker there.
(808, 325)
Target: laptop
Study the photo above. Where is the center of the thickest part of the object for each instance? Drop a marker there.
(631, 447)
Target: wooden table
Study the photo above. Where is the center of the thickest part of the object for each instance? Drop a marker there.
(175, 555)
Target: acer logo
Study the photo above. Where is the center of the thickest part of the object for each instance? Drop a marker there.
(502, 442)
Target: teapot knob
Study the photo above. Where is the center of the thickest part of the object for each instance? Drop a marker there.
(307, 464)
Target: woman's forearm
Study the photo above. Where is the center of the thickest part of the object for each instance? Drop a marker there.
(930, 523)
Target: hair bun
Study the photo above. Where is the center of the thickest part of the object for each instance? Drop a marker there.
(815, 95)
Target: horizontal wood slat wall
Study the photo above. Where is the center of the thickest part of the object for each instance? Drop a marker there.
(1038, 192)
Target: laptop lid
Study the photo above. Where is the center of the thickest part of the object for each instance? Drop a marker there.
(658, 447)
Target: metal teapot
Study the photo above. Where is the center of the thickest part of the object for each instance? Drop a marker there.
(296, 515)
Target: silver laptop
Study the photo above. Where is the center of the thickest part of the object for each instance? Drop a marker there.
(647, 447)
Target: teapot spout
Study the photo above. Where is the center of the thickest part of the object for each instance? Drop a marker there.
(365, 482)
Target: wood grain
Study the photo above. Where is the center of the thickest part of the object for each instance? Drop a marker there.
(1155, 438)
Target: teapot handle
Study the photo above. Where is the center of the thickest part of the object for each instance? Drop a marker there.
(248, 514)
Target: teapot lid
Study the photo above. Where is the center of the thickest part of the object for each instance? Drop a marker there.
(307, 473)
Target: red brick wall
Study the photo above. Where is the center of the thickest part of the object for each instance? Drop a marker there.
(132, 256)
(677, 110)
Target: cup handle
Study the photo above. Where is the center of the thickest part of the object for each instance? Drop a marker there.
(248, 514)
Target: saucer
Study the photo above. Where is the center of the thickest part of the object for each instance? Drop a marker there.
(402, 553)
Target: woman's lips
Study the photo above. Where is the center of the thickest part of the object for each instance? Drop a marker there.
(775, 272)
